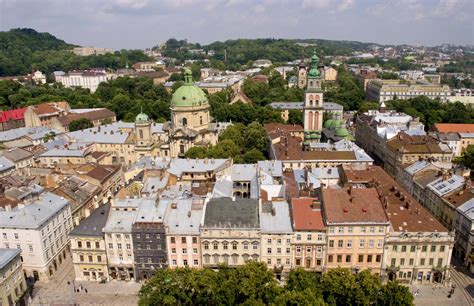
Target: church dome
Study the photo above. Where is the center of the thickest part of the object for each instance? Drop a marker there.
(142, 118)
(188, 95)
(332, 124)
(342, 132)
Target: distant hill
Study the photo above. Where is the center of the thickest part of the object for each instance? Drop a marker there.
(29, 40)
(240, 51)
(22, 50)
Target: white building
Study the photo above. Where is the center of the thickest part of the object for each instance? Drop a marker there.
(40, 228)
(118, 238)
(89, 79)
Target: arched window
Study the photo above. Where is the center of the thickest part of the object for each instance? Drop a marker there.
(200, 120)
(141, 133)
(185, 122)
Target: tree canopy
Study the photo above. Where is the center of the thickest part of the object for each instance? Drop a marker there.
(22, 50)
(245, 144)
(431, 111)
(254, 284)
(80, 124)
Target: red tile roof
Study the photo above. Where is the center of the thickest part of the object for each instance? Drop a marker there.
(304, 216)
(14, 114)
(403, 211)
(454, 128)
(353, 205)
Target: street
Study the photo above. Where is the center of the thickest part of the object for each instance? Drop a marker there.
(58, 291)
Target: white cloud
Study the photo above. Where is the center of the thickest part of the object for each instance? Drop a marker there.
(319, 4)
(345, 5)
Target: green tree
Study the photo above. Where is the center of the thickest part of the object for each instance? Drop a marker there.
(80, 124)
(304, 297)
(395, 294)
(255, 137)
(295, 116)
(467, 159)
(196, 152)
(224, 149)
(252, 156)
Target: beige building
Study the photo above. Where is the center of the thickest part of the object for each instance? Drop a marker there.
(330, 74)
(308, 244)
(230, 232)
(87, 51)
(276, 237)
(417, 248)
(88, 247)
(406, 149)
(183, 241)
(385, 90)
(357, 225)
(12, 280)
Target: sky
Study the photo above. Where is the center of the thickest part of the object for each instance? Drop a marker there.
(134, 24)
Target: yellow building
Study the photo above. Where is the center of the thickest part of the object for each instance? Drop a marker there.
(357, 225)
(88, 247)
(12, 280)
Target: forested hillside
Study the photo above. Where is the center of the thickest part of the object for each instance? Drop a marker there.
(22, 50)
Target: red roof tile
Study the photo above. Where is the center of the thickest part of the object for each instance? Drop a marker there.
(454, 128)
(353, 205)
(304, 216)
(14, 114)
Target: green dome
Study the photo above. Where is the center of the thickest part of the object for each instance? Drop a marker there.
(188, 95)
(332, 124)
(342, 132)
(314, 71)
(142, 118)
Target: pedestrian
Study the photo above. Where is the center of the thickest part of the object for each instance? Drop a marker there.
(85, 290)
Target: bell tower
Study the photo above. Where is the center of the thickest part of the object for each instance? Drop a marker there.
(313, 99)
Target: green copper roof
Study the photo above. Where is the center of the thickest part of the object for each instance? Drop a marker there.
(332, 124)
(314, 71)
(142, 118)
(188, 94)
(342, 132)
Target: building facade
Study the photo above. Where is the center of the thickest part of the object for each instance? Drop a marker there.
(88, 248)
(12, 280)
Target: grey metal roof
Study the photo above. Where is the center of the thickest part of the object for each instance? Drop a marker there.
(442, 187)
(185, 218)
(93, 225)
(110, 133)
(35, 214)
(149, 162)
(468, 209)
(17, 154)
(332, 106)
(223, 188)
(417, 166)
(225, 213)
(32, 132)
(150, 210)
(280, 221)
(63, 153)
(120, 221)
(287, 105)
(244, 172)
(7, 255)
(5, 164)
(178, 165)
